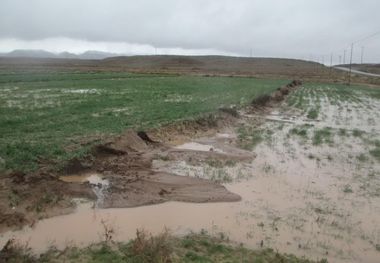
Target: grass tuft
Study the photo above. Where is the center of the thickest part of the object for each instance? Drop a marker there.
(323, 136)
(313, 114)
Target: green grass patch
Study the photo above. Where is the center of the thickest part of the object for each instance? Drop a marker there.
(375, 153)
(249, 137)
(342, 132)
(313, 114)
(362, 157)
(219, 163)
(348, 189)
(301, 132)
(357, 133)
(322, 136)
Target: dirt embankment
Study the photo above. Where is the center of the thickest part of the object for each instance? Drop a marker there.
(125, 174)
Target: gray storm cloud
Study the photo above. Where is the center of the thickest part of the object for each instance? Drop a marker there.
(292, 28)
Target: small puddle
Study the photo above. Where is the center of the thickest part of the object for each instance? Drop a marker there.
(225, 135)
(194, 146)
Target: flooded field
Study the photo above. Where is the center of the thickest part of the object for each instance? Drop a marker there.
(308, 173)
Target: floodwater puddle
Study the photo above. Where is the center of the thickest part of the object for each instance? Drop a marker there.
(225, 135)
(195, 146)
(81, 91)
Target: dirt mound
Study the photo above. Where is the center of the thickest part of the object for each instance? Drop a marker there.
(277, 96)
(75, 166)
(280, 94)
(182, 131)
(144, 136)
(130, 141)
(232, 111)
(261, 101)
(294, 83)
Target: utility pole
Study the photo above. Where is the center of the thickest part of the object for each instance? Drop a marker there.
(340, 59)
(344, 58)
(349, 74)
(331, 63)
(361, 58)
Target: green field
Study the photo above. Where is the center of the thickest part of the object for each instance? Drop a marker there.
(45, 116)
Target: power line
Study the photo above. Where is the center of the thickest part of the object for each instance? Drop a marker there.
(344, 49)
(319, 58)
(367, 37)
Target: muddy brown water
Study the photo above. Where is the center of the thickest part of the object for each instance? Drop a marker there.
(294, 199)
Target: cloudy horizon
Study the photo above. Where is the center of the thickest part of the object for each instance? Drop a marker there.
(291, 29)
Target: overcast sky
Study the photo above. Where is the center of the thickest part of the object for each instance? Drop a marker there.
(270, 28)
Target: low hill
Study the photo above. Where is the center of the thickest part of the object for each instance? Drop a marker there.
(29, 53)
(36, 53)
(194, 65)
(212, 65)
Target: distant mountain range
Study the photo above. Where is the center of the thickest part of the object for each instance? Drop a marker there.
(35, 53)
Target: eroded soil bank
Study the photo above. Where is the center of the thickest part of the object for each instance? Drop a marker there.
(307, 173)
